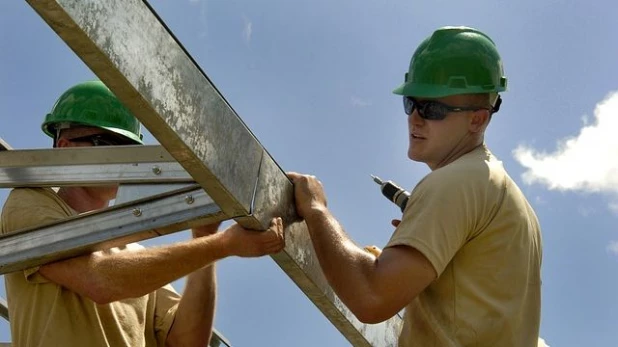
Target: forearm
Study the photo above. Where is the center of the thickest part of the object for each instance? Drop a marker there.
(195, 314)
(348, 268)
(106, 277)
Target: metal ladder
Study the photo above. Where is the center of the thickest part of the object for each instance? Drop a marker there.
(209, 167)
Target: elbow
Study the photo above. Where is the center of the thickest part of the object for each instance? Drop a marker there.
(371, 317)
(371, 312)
(101, 293)
(374, 311)
(103, 290)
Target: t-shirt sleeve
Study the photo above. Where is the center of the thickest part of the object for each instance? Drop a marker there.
(27, 208)
(438, 219)
(167, 300)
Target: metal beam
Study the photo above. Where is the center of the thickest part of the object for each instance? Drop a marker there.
(112, 227)
(4, 309)
(83, 166)
(83, 156)
(92, 175)
(128, 48)
(3, 145)
(161, 84)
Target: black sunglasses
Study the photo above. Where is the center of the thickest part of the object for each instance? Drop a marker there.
(433, 110)
(103, 140)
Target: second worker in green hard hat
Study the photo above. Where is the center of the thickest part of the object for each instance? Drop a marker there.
(465, 259)
(119, 296)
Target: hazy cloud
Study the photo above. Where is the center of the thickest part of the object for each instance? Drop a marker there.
(202, 16)
(587, 162)
(613, 247)
(542, 343)
(358, 102)
(247, 30)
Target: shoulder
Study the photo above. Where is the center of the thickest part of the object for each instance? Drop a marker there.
(32, 197)
(474, 170)
(28, 207)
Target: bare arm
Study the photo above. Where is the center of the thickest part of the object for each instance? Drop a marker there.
(196, 311)
(373, 288)
(195, 315)
(108, 277)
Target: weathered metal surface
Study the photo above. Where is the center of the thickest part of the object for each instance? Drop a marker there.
(130, 50)
(107, 228)
(4, 309)
(92, 175)
(3, 145)
(84, 156)
(301, 264)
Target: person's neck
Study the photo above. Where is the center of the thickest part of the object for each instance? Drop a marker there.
(79, 199)
(458, 152)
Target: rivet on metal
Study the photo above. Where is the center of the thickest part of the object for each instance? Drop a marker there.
(137, 212)
(156, 170)
(189, 199)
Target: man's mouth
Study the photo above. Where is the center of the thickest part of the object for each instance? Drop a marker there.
(416, 136)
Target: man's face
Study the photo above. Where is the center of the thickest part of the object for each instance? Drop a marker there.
(88, 137)
(435, 142)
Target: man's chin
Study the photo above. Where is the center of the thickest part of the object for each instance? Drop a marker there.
(415, 156)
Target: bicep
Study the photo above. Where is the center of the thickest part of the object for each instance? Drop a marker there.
(74, 274)
(402, 273)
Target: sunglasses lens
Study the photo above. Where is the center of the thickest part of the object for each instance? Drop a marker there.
(101, 140)
(408, 105)
(426, 110)
(434, 111)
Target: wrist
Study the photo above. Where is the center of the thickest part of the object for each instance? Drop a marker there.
(316, 213)
(217, 245)
(225, 244)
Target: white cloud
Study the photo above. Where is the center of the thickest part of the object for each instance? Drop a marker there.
(587, 162)
(248, 30)
(613, 247)
(358, 102)
(542, 343)
(613, 206)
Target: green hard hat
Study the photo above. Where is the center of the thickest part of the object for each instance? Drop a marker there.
(92, 104)
(454, 60)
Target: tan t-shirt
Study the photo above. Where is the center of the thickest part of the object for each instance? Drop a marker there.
(43, 313)
(483, 239)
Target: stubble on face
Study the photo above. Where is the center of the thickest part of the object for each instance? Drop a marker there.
(439, 142)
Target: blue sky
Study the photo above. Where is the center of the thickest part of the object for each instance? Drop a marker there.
(313, 81)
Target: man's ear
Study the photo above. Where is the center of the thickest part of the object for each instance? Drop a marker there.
(478, 120)
(62, 142)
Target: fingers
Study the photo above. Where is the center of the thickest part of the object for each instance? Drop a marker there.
(295, 177)
(375, 250)
(276, 239)
(252, 243)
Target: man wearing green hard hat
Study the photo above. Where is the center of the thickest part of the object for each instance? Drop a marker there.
(119, 296)
(465, 259)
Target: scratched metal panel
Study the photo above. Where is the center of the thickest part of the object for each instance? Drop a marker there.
(127, 47)
(83, 155)
(3, 145)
